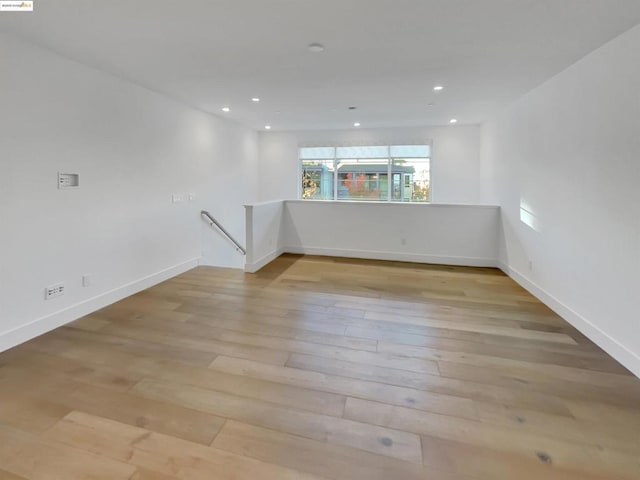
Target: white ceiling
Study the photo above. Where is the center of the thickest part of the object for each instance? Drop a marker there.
(383, 56)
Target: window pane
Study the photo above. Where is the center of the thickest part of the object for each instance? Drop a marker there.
(363, 179)
(411, 180)
(317, 152)
(362, 152)
(410, 151)
(317, 179)
(397, 173)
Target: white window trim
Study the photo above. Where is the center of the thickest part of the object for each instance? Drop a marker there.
(388, 145)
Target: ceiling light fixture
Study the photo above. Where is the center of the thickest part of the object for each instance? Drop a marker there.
(226, 109)
(255, 99)
(356, 124)
(438, 88)
(316, 47)
(267, 127)
(453, 120)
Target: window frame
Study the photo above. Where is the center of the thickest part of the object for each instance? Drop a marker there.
(390, 164)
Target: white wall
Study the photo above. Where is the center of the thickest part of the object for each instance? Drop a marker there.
(377, 230)
(133, 149)
(568, 153)
(393, 231)
(265, 233)
(455, 166)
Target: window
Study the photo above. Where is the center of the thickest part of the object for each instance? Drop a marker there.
(397, 173)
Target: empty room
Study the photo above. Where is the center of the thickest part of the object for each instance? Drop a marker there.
(320, 239)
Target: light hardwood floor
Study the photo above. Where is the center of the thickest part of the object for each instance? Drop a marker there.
(320, 368)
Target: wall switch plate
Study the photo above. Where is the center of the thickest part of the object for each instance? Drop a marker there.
(86, 280)
(53, 291)
(68, 180)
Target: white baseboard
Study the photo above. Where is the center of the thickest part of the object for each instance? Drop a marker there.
(622, 354)
(45, 324)
(395, 256)
(253, 267)
(236, 265)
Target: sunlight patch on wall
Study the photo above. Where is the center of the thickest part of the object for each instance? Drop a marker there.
(529, 218)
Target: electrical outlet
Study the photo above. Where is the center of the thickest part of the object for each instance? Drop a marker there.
(86, 280)
(54, 291)
(68, 180)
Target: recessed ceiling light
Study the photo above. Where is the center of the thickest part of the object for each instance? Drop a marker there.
(453, 120)
(255, 99)
(267, 127)
(438, 88)
(316, 47)
(356, 124)
(226, 109)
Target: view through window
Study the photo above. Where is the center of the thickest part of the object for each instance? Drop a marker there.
(395, 173)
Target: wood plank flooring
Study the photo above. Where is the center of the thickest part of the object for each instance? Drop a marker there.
(320, 368)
